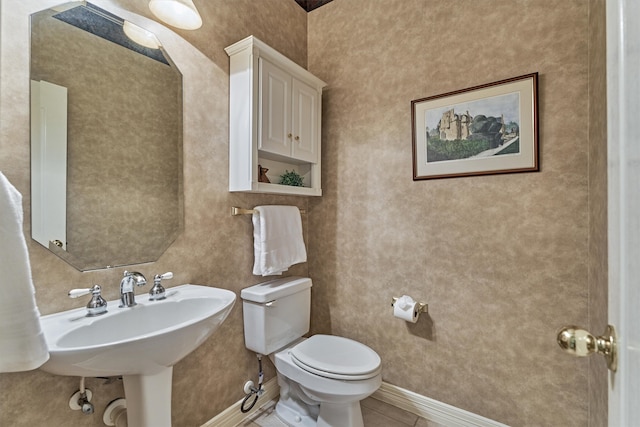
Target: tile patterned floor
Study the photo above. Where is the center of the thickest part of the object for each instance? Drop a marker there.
(374, 412)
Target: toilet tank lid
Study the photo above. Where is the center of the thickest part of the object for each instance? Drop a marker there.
(274, 289)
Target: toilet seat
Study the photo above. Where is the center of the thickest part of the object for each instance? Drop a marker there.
(336, 357)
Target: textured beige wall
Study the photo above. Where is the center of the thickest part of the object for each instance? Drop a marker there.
(214, 249)
(502, 260)
(597, 207)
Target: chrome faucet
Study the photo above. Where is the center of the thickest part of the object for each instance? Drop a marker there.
(97, 305)
(158, 293)
(127, 287)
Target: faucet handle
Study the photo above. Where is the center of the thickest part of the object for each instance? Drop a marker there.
(157, 292)
(167, 275)
(97, 305)
(76, 293)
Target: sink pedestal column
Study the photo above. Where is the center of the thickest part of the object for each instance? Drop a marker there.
(149, 399)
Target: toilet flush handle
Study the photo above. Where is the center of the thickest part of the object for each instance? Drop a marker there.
(271, 303)
(579, 342)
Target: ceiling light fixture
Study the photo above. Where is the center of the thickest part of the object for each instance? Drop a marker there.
(140, 35)
(177, 13)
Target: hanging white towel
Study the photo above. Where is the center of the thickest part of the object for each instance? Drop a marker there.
(277, 239)
(22, 343)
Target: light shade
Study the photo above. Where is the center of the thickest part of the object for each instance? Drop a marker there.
(140, 35)
(177, 13)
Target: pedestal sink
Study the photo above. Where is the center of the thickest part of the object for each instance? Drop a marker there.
(141, 343)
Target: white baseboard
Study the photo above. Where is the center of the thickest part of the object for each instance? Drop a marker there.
(430, 409)
(232, 416)
(427, 408)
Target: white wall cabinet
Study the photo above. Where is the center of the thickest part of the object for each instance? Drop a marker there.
(288, 115)
(274, 120)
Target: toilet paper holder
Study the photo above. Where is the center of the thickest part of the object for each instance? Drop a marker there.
(422, 307)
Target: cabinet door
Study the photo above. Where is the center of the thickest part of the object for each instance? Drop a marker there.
(275, 110)
(305, 122)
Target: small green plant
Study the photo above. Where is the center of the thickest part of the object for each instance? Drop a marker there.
(291, 178)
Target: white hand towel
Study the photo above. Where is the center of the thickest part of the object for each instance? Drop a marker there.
(22, 343)
(277, 239)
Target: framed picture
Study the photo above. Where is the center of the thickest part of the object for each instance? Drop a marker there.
(482, 130)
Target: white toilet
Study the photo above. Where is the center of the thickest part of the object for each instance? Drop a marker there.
(323, 378)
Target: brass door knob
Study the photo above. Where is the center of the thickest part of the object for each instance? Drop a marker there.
(580, 342)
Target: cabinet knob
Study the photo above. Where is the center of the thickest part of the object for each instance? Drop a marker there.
(289, 135)
(297, 138)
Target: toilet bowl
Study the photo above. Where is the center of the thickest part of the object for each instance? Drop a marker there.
(322, 378)
(334, 373)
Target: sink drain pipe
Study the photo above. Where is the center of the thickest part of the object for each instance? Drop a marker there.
(115, 414)
(254, 392)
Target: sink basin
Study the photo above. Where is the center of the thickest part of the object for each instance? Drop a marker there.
(141, 343)
(137, 340)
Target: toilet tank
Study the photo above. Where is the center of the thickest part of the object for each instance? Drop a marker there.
(276, 313)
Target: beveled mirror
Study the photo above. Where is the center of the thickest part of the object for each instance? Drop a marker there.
(106, 135)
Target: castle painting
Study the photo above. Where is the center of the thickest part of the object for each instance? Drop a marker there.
(480, 128)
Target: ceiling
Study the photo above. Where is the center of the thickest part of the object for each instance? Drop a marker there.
(309, 5)
(99, 22)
